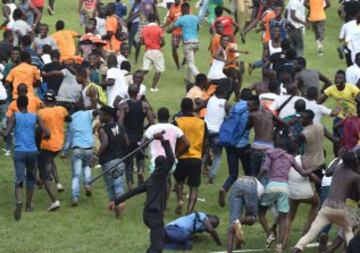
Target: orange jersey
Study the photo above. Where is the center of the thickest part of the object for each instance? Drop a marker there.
(65, 41)
(268, 16)
(111, 26)
(34, 106)
(215, 45)
(174, 14)
(231, 56)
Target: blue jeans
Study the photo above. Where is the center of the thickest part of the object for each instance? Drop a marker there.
(80, 160)
(216, 150)
(243, 195)
(115, 178)
(203, 9)
(25, 169)
(257, 159)
(233, 155)
(133, 30)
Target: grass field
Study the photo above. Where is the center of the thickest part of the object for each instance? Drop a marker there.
(90, 228)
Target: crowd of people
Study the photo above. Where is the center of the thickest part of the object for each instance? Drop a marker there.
(74, 94)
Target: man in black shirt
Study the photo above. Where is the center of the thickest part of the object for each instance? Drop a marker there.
(113, 147)
(6, 46)
(156, 194)
(54, 82)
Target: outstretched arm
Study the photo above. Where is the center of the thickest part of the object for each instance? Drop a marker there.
(211, 230)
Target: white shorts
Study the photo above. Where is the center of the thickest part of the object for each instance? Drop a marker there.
(299, 186)
(154, 58)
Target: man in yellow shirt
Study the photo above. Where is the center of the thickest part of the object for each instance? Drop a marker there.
(345, 95)
(188, 168)
(317, 17)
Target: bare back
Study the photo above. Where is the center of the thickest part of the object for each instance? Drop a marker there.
(263, 126)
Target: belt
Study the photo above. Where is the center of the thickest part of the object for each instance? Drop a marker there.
(82, 148)
(187, 43)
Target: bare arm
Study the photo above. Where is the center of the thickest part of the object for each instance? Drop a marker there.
(104, 142)
(148, 113)
(211, 230)
(330, 137)
(36, 12)
(184, 147)
(322, 98)
(325, 80)
(9, 127)
(94, 97)
(45, 131)
(295, 18)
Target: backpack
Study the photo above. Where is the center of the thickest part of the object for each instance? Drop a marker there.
(101, 93)
(234, 126)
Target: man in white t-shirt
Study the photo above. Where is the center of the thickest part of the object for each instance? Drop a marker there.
(353, 72)
(217, 108)
(19, 26)
(345, 30)
(286, 102)
(296, 15)
(172, 133)
(352, 39)
(124, 54)
(318, 109)
(115, 80)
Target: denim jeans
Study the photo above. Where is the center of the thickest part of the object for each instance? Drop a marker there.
(203, 9)
(25, 169)
(132, 33)
(319, 29)
(217, 151)
(243, 195)
(114, 179)
(257, 157)
(233, 155)
(296, 37)
(80, 160)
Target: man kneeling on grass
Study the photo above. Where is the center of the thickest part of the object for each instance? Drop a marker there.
(156, 195)
(178, 233)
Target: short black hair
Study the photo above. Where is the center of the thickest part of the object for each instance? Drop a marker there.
(151, 18)
(185, 5)
(341, 72)
(25, 56)
(349, 159)
(60, 25)
(55, 54)
(255, 99)
(22, 102)
(44, 25)
(309, 114)
(112, 61)
(107, 110)
(7, 34)
(133, 89)
(245, 94)
(187, 105)
(312, 93)
(273, 86)
(126, 66)
(163, 114)
(200, 78)
(290, 54)
(80, 71)
(300, 105)
(46, 49)
(26, 40)
(219, 10)
(301, 61)
(17, 14)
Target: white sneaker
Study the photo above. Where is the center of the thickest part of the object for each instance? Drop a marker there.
(154, 89)
(320, 49)
(59, 187)
(7, 152)
(55, 205)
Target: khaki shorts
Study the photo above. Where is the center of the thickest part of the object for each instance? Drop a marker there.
(154, 58)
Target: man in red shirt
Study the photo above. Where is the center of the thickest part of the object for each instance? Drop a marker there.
(351, 137)
(227, 22)
(152, 36)
(174, 14)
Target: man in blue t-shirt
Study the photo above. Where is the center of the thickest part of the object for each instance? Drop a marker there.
(189, 25)
(23, 124)
(178, 232)
(80, 134)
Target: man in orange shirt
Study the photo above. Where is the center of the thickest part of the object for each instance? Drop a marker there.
(65, 40)
(112, 29)
(152, 36)
(174, 14)
(54, 118)
(34, 103)
(317, 17)
(215, 40)
(23, 73)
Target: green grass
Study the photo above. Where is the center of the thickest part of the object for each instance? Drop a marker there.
(90, 227)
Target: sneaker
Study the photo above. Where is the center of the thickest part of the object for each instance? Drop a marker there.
(221, 199)
(7, 152)
(88, 192)
(239, 233)
(59, 187)
(295, 250)
(97, 166)
(17, 212)
(270, 239)
(320, 49)
(154, 89)
(55, 205)
(278, 248)
(75, 202)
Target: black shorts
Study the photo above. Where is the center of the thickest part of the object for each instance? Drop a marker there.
(45, 157)
(189, 171)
